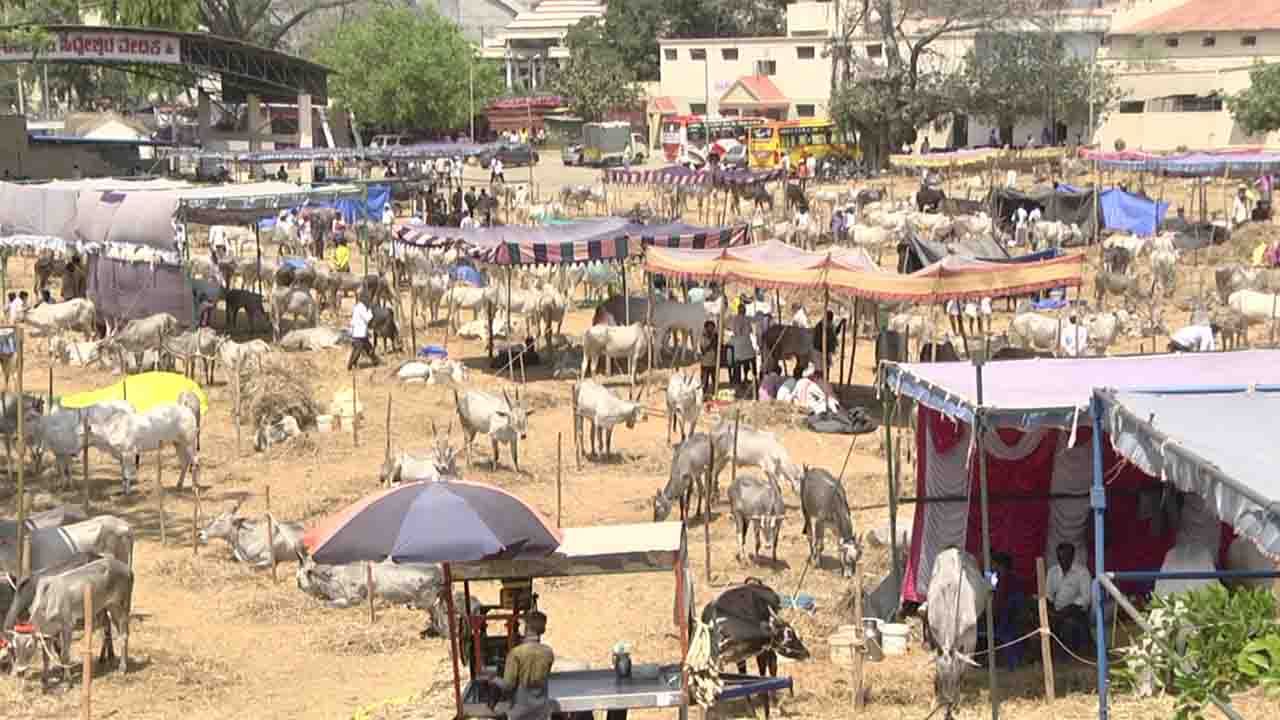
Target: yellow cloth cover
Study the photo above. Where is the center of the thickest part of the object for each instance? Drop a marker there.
(145, 391)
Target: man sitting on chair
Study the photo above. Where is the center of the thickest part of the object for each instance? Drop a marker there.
(1068, 590)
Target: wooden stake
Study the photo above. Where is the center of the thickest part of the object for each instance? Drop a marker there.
(706, 518)
(368, 571)
(237, 381)
(271, 536)
(577, 444)
(49, 407)
(195, 516)
(715, 384)
(164, 535)
(84, 459)
(86, 693)
(559, 471)
(860, 649)
(355, 413)
(24, 558)
(1046, 646)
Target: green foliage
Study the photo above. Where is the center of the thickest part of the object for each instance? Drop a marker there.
(1257, 107)
(1210, 629)
(596, 79)
(406, 69)
(1260, 660)
(1015, 76)
(886, 109)
(261, 22)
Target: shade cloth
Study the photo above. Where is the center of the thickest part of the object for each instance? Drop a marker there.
(979, 156)
(853, 273)
(418, 151)
(550, 246)
(1218, 445)
(681, 175)
(143, 391)
(428, 522)
(1056, 391)
(595, 550)
(1249, 162)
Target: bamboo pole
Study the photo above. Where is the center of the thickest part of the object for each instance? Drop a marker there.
(195, 517)
(271, 536)
(559, 473)
(355, 413)
(86, 692)
(164, 534)
(860, 649)
(1046, 645)
(368, 573)
(706, 518)
(237, 399)
(23, 556)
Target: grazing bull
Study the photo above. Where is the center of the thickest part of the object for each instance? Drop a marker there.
(822, 501)
(689, 463)
(58, 608)
(138, 336)
(745, 623)
(413, 584)
(104, 535)
(497, 417)
(16, 597)
(957, 597)
(684, 402)
(248, 538)
(756, 503)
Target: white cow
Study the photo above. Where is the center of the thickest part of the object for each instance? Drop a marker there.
(957, 597)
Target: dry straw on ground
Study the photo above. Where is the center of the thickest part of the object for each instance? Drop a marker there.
(280, 387)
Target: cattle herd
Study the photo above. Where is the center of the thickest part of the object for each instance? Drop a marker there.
(287, 299)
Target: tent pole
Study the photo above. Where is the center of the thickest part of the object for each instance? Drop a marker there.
(979, 428)
(510, 327)
(1098, 500)
(890, 401)
(453, 639)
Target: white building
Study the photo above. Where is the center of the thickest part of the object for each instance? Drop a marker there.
(532, 45)
(479, 19)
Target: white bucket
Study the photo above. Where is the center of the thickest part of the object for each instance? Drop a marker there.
(895, 638)
(325, 423)
(843, 643)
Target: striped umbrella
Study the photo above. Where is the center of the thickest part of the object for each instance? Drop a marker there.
(430, 522)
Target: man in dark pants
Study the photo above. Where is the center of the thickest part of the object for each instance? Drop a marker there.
(1068, 588)
(527, 668)
(360, 317)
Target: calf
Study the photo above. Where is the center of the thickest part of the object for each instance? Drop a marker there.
(104, 535)
(382, 327)
(684, 402)
(504, 422)
(58, 608)
(822, 501)
(413, 584)
(596, 404)
(276, 433)
(248, 538)
(756, 503)
(956, 598)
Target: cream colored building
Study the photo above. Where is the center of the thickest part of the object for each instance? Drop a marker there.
(1176, 61)
(532, 45)
(789, 77)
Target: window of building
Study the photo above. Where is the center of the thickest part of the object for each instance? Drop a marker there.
(1186, 103)
(1131, 107)
(875, 51)
(805, 111)
(697, 108)
(729, 112)
(669, 53)
(697, 54)
(1208, 41)
(766, 67)
(729, 54)
(1171, 42)
(1249, 41)
(805, 52)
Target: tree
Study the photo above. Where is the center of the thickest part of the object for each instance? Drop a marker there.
(886, 101)
(1015, 76)
(402, 68)
(596, 79)
(260, 22)
(1257, 107)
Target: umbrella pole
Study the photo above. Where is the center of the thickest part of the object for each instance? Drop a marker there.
(453, 638)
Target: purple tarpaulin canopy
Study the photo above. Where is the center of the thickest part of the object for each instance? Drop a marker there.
(1038, 392)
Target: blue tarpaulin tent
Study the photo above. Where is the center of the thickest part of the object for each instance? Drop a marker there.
(353, 209)
(1131, 213)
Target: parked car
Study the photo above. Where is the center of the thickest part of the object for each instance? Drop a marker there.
(735, 159)
(511, 155)
(571, 154)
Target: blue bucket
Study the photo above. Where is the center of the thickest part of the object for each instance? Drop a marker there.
(433, 352)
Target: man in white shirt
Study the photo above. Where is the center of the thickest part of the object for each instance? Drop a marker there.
(1194, 338)
(388, 216)
(1068, 589)
(456, 171)
(1240, 210)
(468, 222)
(1074, 339)
(495, 171)
(799, 319)
(360, 317)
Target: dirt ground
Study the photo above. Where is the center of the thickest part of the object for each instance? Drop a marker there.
(211, 639)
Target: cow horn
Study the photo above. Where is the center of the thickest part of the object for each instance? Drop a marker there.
(506, 398)
(967, 660)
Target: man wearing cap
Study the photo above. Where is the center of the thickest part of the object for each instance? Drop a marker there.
(527, 668)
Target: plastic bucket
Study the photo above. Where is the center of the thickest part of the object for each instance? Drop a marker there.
(895, 638)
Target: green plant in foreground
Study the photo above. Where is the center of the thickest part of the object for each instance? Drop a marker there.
(1260, 660)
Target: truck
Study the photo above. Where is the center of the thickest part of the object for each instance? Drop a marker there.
(611, 143)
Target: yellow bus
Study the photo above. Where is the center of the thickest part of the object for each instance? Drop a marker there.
(796, 138)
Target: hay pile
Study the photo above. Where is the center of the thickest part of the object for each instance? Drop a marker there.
(279, 388)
